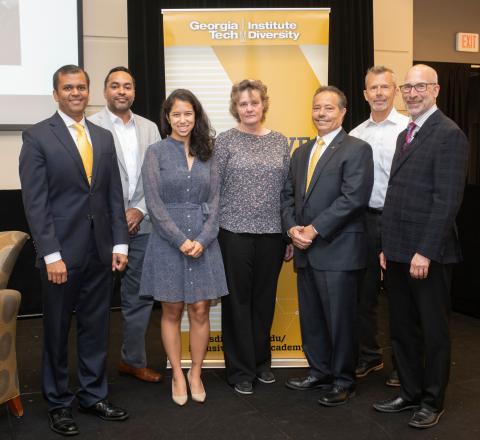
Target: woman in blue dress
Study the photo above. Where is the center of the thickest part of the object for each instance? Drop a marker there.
(183, 264)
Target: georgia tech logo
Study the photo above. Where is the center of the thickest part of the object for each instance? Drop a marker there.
(245, 31)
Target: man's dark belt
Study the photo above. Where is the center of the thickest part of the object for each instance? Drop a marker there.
(376, 211)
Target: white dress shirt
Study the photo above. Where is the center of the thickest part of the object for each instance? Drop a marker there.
(127, 136)
(69, 122)
(382, 137)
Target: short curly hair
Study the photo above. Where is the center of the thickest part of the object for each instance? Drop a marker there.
(248, 84)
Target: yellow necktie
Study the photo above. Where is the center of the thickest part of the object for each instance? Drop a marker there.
(85, 150)
(313, 161)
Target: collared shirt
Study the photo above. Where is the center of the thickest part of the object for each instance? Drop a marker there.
(127, 136)
(117, 249)
(328, 138)
(423, 118)
(382, 137)
(69, 122)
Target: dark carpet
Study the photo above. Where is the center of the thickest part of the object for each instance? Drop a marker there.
(272, 412)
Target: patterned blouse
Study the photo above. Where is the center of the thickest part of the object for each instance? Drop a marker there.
(253, 170)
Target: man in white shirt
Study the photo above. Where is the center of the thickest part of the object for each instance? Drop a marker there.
(380, 131)
(132, 135)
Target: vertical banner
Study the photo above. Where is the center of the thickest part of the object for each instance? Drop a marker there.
(207, 51)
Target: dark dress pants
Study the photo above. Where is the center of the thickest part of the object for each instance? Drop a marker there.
(328, 309)
(252, 266)
(88, 292)
(369, 349)
(136, 311)
(419, 331)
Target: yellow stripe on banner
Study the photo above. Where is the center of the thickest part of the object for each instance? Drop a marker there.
(249, 28)
(290, 80)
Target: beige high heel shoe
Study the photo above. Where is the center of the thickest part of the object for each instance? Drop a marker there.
(196, 397)
(180, 399)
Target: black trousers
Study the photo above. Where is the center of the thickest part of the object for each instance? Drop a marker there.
(328, 308)
(88, 292)
(369, 349)
(419, 331)
(252, 266)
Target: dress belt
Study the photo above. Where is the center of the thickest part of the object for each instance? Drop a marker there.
(203, 206)
(376, 211)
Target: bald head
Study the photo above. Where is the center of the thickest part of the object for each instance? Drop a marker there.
(424, 71)
(420, 90)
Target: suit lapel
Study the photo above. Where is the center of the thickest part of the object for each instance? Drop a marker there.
(97, 146)
(118, 148)
(324, 159)
(60, 130)
(423, 134)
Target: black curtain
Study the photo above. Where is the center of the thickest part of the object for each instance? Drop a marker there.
(459, 99)
(350, 50)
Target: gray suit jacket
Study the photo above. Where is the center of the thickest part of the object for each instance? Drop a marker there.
(334, 203)
(147, 134)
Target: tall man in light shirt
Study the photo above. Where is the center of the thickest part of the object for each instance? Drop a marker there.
(132, 135)
(73, 204)
(380, 131)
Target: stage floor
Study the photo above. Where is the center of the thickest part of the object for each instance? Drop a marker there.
(272, 412)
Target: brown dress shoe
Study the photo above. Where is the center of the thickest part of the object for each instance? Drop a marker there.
(145, 374)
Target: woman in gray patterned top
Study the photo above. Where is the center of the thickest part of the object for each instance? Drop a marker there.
(182, 262)
(253, 164)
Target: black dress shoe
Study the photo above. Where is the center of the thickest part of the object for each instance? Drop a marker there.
(393, 380)
(106, 411)
(308, 383)
(338, 395)
(266, 377)
(425, 418)
(244, 387)
(61, 422)
(364, 368)
(394, 405)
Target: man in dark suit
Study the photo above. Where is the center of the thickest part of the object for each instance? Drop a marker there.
(73, 202)
(323, 208)
(420, 244)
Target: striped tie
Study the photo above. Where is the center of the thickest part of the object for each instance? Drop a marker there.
(85, 150)
(314, 160)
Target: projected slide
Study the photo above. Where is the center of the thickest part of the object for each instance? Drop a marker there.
(37, 37)
(9, 31)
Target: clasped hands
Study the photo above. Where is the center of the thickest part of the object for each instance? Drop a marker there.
(302, 236)
(191, 248)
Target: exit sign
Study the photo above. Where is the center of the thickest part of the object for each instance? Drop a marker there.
(467, 42)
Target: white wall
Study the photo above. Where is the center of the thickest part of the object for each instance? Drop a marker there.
(393, 37)
(105, 46)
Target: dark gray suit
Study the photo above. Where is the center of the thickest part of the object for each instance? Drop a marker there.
(329, 270)
(136, 311)
(423, 197)
(83, 222)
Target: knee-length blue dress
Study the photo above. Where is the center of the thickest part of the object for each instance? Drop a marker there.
(182, 204)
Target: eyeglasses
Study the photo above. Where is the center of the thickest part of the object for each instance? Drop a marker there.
(419, 87)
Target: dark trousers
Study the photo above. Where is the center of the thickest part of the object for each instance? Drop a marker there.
(328, 308)
(88, 292)
(252, 266)
(136, 311)
(369, 349)
(419, 331)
